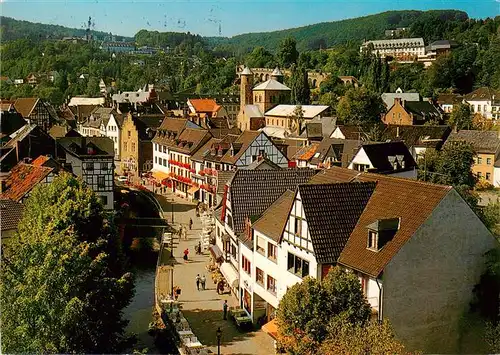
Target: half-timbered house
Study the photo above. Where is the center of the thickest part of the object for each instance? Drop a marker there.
(92, 159)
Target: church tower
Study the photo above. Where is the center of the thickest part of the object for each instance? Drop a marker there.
(277, 75)
(246, 87)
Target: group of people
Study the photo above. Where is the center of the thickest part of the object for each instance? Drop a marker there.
(200, 281)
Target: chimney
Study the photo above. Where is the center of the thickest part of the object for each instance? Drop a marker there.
(397, 100)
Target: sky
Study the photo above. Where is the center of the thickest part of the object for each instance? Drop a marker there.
(220, 17)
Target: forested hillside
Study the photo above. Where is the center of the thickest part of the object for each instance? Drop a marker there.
(328, 34)
(12, 29)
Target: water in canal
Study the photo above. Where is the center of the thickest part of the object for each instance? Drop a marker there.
(139, 311)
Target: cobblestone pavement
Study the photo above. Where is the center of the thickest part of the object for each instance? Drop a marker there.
(203, 309)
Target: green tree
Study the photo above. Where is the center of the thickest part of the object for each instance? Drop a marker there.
(360, 106)
(346, 338)
(287, 53)
(461, 117)
(63, 284)
(299, 83)
(260, 58)
(306, 309)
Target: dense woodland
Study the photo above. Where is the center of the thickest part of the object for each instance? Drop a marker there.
(194, 64)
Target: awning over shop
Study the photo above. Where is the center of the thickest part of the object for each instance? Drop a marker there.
(216, 252)
(192, 190)
(159, 175)
(271, 328)
(230, 274)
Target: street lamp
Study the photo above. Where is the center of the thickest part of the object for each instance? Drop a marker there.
(219, 336)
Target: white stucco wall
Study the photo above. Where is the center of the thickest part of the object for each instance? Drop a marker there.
(113, 131)
(360, 158)
(269, 267)
(428, 283)
(246, 280)
(496, 176)
(159, 154)
(337, 133)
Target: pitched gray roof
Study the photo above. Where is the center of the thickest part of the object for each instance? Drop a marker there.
(332, 211)
(379, 154)
(388, 97)
(104, 146)
(481, 141)
(271, 84)
(253, 191)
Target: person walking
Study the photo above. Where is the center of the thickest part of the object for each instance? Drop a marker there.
(190, 224)
(186, 253)
(224, 308)
(203, 280)
(198, 279)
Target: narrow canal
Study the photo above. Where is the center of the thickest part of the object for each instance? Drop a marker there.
(139, 312)
(139, 245)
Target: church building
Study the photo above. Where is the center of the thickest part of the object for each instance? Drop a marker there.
(256, 101)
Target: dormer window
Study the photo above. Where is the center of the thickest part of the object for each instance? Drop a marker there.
(381, 232)
(372, 239)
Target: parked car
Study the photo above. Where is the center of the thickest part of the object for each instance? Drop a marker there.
(122, 178)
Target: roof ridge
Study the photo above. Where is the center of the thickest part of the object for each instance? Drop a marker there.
(419, 182)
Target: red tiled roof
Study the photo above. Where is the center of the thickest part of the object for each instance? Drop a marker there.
(205, 105)
(22, 178)
(306, 153)
(42, 159)
(410, 200)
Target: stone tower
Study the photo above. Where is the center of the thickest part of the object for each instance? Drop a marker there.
(277, 75)
(246, 87)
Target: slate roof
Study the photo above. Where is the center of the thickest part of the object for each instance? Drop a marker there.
(22, 179)
(417, 135)
(253, 191)
(11, 213)
(103, 146)
(449, 99)
(388, 97)
(410, 200)
(223, 132)
(273, 221)
(242, 142)
(320, 127)
(25, 105)
(83, 112)
(190, 140)
(147, 125)
(379, 154)
(481, 141)
(332, 211)
(329, 147)
(11, 122)
(483, 94)
(423, 110)
(222, 178)
(271, 84)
